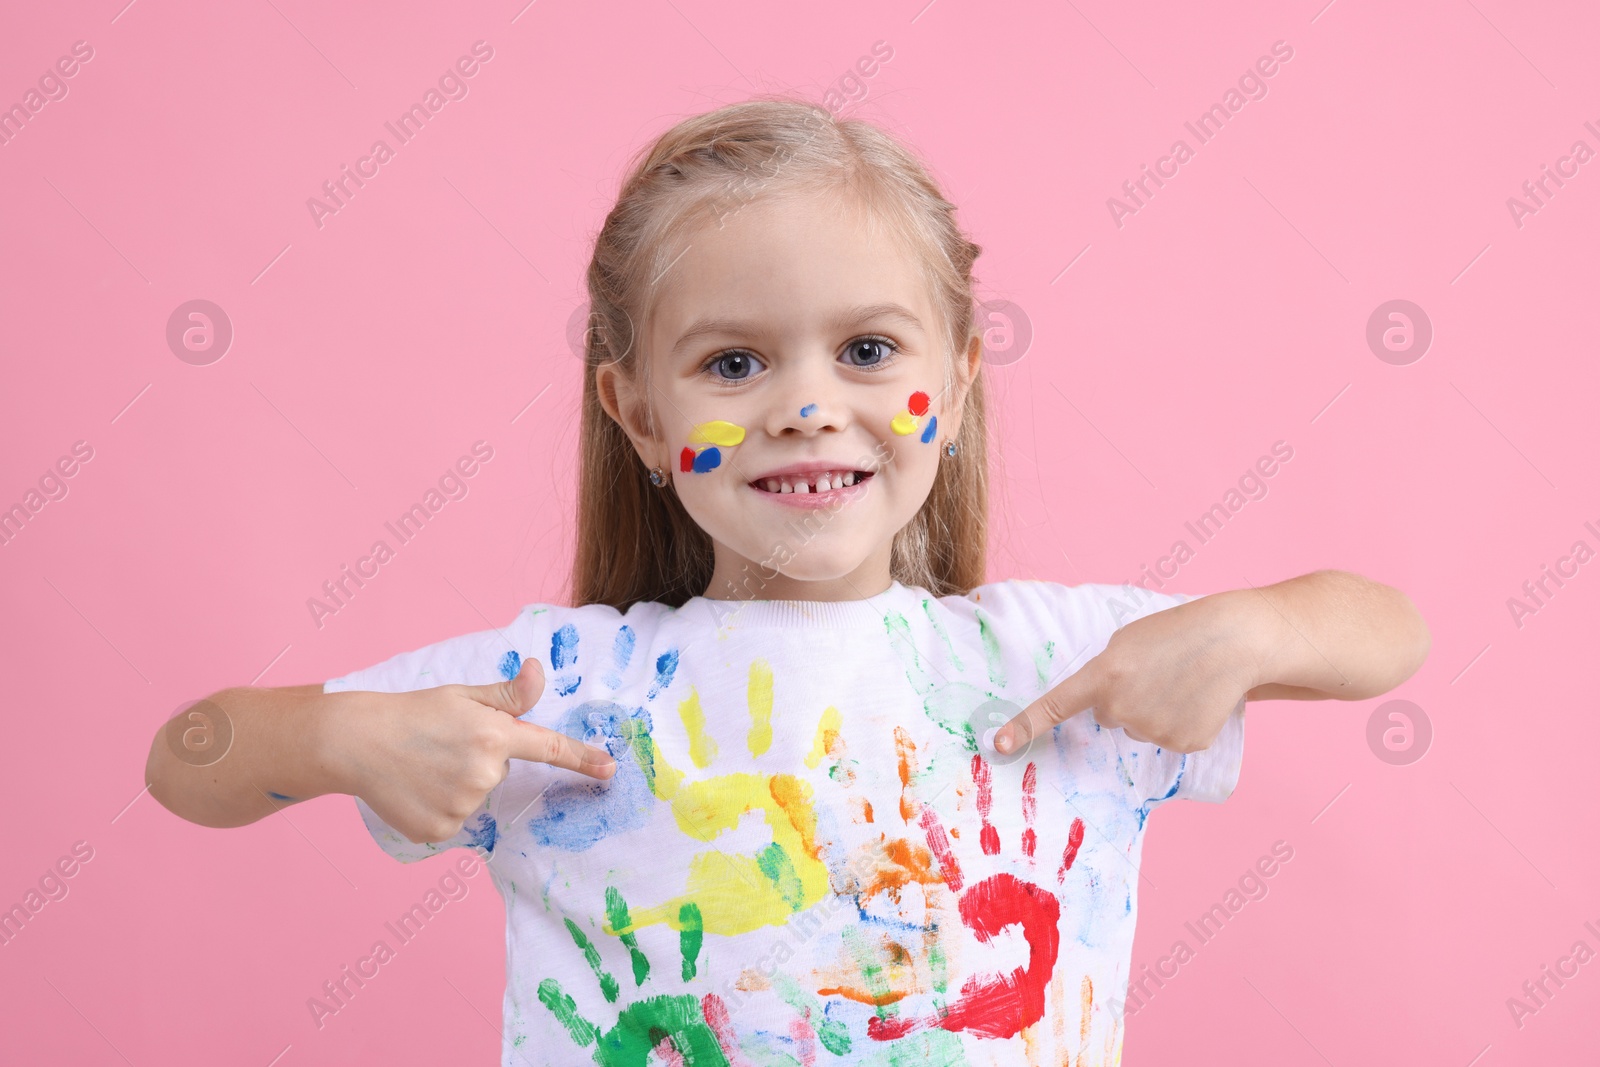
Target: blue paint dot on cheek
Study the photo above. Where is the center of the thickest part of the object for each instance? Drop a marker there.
(933, 423)
(707, 460)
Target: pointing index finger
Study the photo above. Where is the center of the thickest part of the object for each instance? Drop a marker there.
(1056, 706)
(542, 745)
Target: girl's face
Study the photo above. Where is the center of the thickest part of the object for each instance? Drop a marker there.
(797, 381)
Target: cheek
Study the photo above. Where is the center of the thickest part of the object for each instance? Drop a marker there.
(707, 443)
(916, 419)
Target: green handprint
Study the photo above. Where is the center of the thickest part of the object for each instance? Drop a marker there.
(683, 1018)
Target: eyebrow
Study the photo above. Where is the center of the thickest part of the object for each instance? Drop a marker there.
(847, 318)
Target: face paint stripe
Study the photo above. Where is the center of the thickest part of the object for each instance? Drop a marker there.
(716, 432)
(709, 459)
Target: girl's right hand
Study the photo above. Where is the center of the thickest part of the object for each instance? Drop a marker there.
(424, 761)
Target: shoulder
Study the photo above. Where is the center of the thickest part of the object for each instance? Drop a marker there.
(550, 633)
(1078, 611)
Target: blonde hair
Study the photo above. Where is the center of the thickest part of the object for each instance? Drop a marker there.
(636, 542)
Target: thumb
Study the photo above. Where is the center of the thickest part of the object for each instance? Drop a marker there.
(1056, 706)
(515, 696)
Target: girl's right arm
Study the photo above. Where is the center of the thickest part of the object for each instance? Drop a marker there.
(423, 761)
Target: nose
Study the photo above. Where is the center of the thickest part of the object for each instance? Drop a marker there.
(809, 403)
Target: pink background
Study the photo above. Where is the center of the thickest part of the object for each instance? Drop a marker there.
(1228, 313)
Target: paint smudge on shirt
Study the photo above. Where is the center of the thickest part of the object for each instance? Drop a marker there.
(1004, 1004)
(483, 834)
(564, 655)
(617, 918)
(577, 815)
(621, 655)
(702, 747)
(988, 836)
(1070, 854)
(666, 667)
(1030, 806)
(510, 664)
(760, 701)
(991, 649)
(827, 735)
(947, 703)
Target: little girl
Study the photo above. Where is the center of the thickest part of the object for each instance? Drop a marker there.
(746, 800)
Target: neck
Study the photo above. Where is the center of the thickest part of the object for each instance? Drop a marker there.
(735, 578)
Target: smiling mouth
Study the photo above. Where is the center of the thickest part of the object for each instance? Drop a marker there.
(818, 482)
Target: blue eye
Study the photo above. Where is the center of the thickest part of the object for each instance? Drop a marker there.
(732, 366)
(873, 351)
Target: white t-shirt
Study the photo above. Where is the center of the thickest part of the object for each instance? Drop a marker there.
(809, 851)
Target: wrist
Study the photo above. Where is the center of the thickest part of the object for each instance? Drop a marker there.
(334, 728)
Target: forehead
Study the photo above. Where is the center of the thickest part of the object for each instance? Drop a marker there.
(792, 264)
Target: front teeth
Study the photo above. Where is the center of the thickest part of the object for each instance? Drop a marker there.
(826, 481)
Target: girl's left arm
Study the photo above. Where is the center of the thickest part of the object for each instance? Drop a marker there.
(1328, 634)
(1173, 677)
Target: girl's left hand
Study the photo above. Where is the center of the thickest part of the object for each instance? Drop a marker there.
(1170, 679)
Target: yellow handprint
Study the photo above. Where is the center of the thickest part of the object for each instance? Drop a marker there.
(737, 894)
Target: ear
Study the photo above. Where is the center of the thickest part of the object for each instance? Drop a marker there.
(622, 400)
(967, 367)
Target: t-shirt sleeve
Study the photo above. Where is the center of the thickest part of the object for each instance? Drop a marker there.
(1089, 615)
(471, 659)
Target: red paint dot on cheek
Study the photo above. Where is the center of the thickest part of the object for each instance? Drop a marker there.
(918, 404)
(686, 460)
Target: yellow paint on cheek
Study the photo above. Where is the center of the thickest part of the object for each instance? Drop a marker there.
(716, 432)
(827, 734)
(760, 707)
(904, 423)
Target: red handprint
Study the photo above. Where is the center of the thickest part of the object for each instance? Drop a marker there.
(993, 1005)
(999, 1005)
